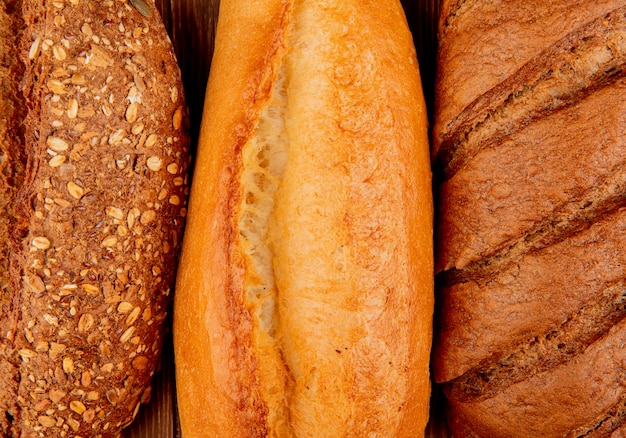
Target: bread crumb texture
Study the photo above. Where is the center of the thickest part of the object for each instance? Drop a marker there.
(94, 157)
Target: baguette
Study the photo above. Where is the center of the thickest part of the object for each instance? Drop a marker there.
(94, 151)
(304, 295)
(528, 141)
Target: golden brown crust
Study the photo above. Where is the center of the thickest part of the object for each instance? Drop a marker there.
(346, 341)
(511, 22)
(227, 123)
(528, 410)
(98, 214)
(530, 262)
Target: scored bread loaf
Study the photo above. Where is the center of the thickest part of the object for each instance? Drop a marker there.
(529, 149)
(93, 157)
(304, 294)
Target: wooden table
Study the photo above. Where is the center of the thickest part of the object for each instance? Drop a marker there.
(191, 25)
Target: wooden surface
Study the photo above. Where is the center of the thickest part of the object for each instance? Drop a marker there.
(191, 25)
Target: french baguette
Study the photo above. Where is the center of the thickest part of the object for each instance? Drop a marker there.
(528, 142)
(304, 294)
(94, 152)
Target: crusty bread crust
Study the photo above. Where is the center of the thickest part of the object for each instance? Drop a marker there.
(94, 157)
(528, 145)
(304, 295)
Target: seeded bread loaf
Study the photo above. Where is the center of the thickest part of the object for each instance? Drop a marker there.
(304, 295)
(93, 157)
(530, 153)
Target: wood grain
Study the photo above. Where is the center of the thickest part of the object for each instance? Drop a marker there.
(157, 419)
(191, 25)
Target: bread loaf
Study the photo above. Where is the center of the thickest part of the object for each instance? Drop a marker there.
(93, 156)
(530, 154)
(304, 294)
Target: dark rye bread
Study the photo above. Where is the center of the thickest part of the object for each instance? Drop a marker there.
(530, 156)
(93, 160)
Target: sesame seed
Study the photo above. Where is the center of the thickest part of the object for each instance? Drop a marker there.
(57, 160)
(86, 29)
(154, 163)
(57, 144)
(131, 112)
(151, 141)
(59, 53)
(85, 379)
(109, 241)
(90, 288)
(72, 109)
(34, 48)
(124, 307)
(177, 119)
(137, 128)
(115, 212)
(77, 407)
(68, 365)
(172, 168)
(133, 316)
(56, 86)
(133, 214)
(56, 395)
(40, 243)
(127, 334)
(142, 7)
(46, 421)
(75, 190)
(42, 346)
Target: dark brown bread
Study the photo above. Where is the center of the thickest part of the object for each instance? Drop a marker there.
(529, 148)
(94, 152)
